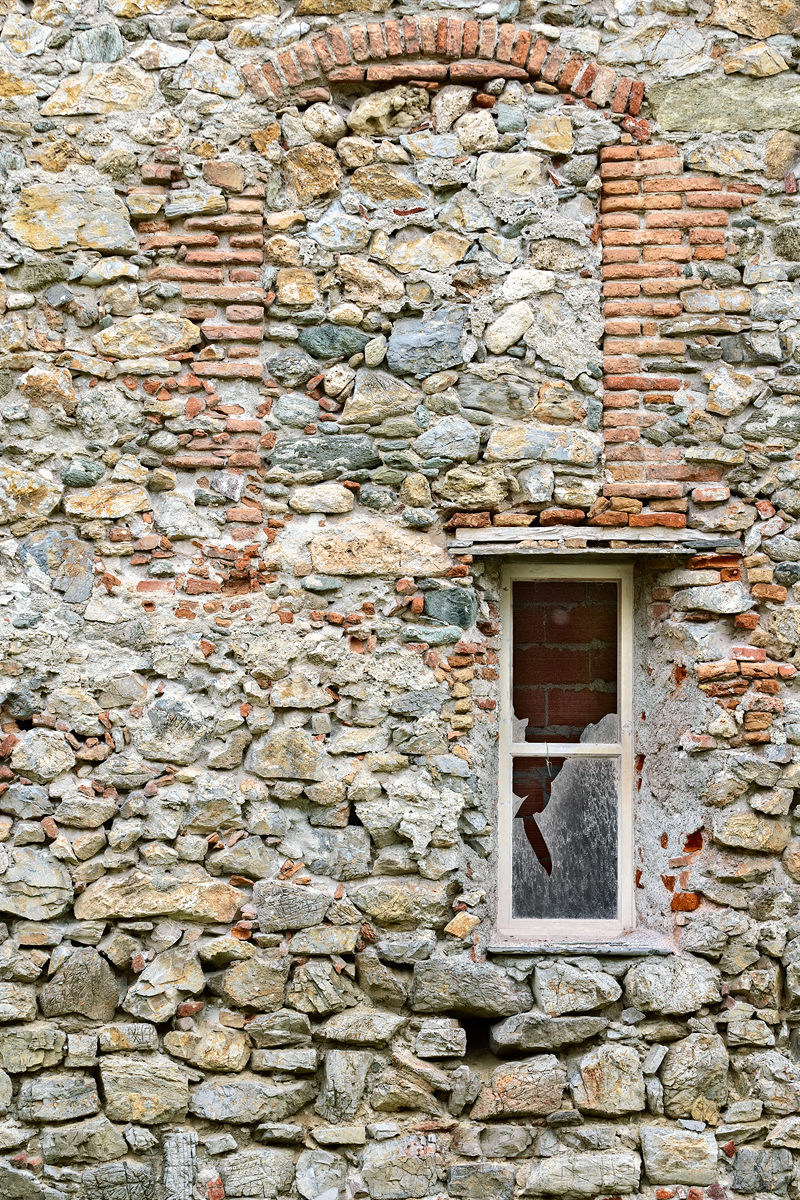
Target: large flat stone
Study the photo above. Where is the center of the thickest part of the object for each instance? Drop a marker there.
(376, 548)
(581, 1174)
(727, 105)
(679, 1156)
(146, 1091)
(537, 1031)
(460, 985)
(139, 895)
(244, 1099)
(533, 1087)
(50, 217)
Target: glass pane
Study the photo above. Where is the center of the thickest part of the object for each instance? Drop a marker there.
(564, 658)
(564, 838)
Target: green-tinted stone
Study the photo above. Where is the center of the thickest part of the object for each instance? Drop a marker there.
(452, 606)
(332, 341)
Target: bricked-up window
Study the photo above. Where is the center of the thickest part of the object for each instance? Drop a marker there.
(565, 800)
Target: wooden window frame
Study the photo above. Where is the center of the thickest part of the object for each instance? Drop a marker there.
(566, 930)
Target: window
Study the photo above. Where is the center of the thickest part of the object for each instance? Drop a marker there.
(565, 800)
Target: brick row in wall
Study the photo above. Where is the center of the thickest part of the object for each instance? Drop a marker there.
(469, 52)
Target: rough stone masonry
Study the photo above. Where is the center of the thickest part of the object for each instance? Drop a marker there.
(297, 299)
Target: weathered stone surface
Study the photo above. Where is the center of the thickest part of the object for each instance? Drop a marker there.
(146, 1091)
(139, 336)
(581, 1174)
(561, 988)
(400, 1168)
(212, 1049)
(608, 1081)
(679, 1156)
(460, 985)
(245, 1099)
(26, 494)
(671, 985)
(418, 347)
(256, 1173)
(256, 983)
(166, 981)
(362, 1027)
(537, 1031)
(695, 1067)
(533, 1087)
(85, 985)
(284, 906)
(719, 106)
(344, 1080)
(27, 1048)
(34, 885)
(95, 1140)
(51, 218)
(376, 548)
(137, 894)
(62, 1097)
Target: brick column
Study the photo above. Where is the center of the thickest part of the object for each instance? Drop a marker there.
(656, 220)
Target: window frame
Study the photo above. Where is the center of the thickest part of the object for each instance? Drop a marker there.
(568, 929)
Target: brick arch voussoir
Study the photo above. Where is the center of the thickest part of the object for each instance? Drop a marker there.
(440, 50)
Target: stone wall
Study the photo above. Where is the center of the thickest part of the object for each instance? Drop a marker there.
(302, 308)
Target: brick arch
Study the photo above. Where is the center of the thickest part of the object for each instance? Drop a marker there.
(439, 50)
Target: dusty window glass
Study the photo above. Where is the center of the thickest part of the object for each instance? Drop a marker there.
(564, 657)
(564, 838)
(566, 826)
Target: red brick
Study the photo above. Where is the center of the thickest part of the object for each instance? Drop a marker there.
(485, 70)
(706, 237)
(394, 39)
(714, 200)
(222, 293)
(622, 328)
(685, 220)
(769, 591)
(668, 520)
(622, 433)
(290, 69)
(639, 203)
(488, 38)
(159, 241)
(621, 365)
(621, 187)
(455, 35)
(709, 253)
(619, 221)
(601, 92)
(621, 95)
(561, 516)
(539, 53)
(642, 237)
(621, 254)
(232, 333)
(472, 34)
(621, 289)
(610, 519)
(401, 71)
(411, 35)
(723, 668)
(155, 585)
(324, 53)
(671, 347)
(225, 256)
(175, 273)
(570, 73)
(338, 44)
(346, 75)
(644, 491)
(358, 42)
(505, 42)
(307, 61)
(668, 253)
(441, 35)
(659, 152)
(584, 85)
(689, 183)
(521, 48)
(377, 46)
(554, 64)
(652, 270)
(636, 97)
(749, 653)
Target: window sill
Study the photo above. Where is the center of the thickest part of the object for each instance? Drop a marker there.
(638, 944)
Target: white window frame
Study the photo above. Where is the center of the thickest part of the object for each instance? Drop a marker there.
(569, 929)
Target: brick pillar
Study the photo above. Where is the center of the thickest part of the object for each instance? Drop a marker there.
(656, 220)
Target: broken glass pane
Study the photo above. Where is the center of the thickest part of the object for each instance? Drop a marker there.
(564, 835)
(564, 658)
